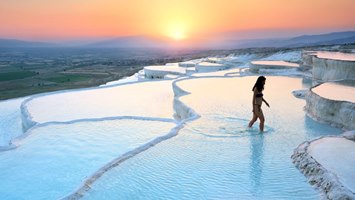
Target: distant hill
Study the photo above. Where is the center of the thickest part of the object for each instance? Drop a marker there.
(305, 40)
(129, 42)
(335, 38)
(322, 37)
(10, 43)
(349, 40)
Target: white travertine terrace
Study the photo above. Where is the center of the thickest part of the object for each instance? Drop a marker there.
(161, 71)
(264, 64)
(171, 77)
(208, 67)
(190, 70)
(307, 59)
(229, 60)
(333, 103)
(328, 163)
(187, 64)
(275, 63)
(327, 150)
(331, 66)
(213, 60)
(227, 72)
(336, 91)
(335, 56)
(172, 64)
(100, 103)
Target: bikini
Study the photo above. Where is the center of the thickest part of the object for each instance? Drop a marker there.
(260, 95)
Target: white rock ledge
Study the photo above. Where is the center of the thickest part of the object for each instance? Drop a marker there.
(320, 162)
(337, 112)
(255, 66)
(209, 67)
(331, 66)
(350, 135)
(307, 60)
(187, 64)
(26, 118)
(161, 71)
(301, 94)
(181, 110)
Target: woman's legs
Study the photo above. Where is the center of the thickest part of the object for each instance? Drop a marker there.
(258, 113)
(262, 120)
(253, 120)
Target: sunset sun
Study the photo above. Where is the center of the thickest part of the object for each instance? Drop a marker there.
(177, 32)
(178, 35)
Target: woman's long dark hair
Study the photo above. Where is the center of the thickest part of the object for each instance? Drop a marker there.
(259, 83)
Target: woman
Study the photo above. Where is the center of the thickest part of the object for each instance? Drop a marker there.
(257, 101)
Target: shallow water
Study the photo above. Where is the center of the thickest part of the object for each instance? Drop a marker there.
(55, 159)
(336, 91)
(335, 55)
(146, 99)
(217, 156)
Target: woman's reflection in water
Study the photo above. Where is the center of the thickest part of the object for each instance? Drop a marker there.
(256, 162)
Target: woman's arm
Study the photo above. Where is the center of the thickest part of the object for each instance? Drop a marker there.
(254, 96)
(266, 102)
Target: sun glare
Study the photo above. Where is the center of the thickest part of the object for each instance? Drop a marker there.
(178, 35)
(177, 32)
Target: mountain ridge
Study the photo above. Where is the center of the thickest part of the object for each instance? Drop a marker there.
(140, 41)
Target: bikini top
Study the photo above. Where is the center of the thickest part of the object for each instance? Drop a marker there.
(259, 95)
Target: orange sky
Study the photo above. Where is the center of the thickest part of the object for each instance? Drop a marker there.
(66, 19)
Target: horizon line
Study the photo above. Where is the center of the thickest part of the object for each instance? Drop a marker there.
(220, 35)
